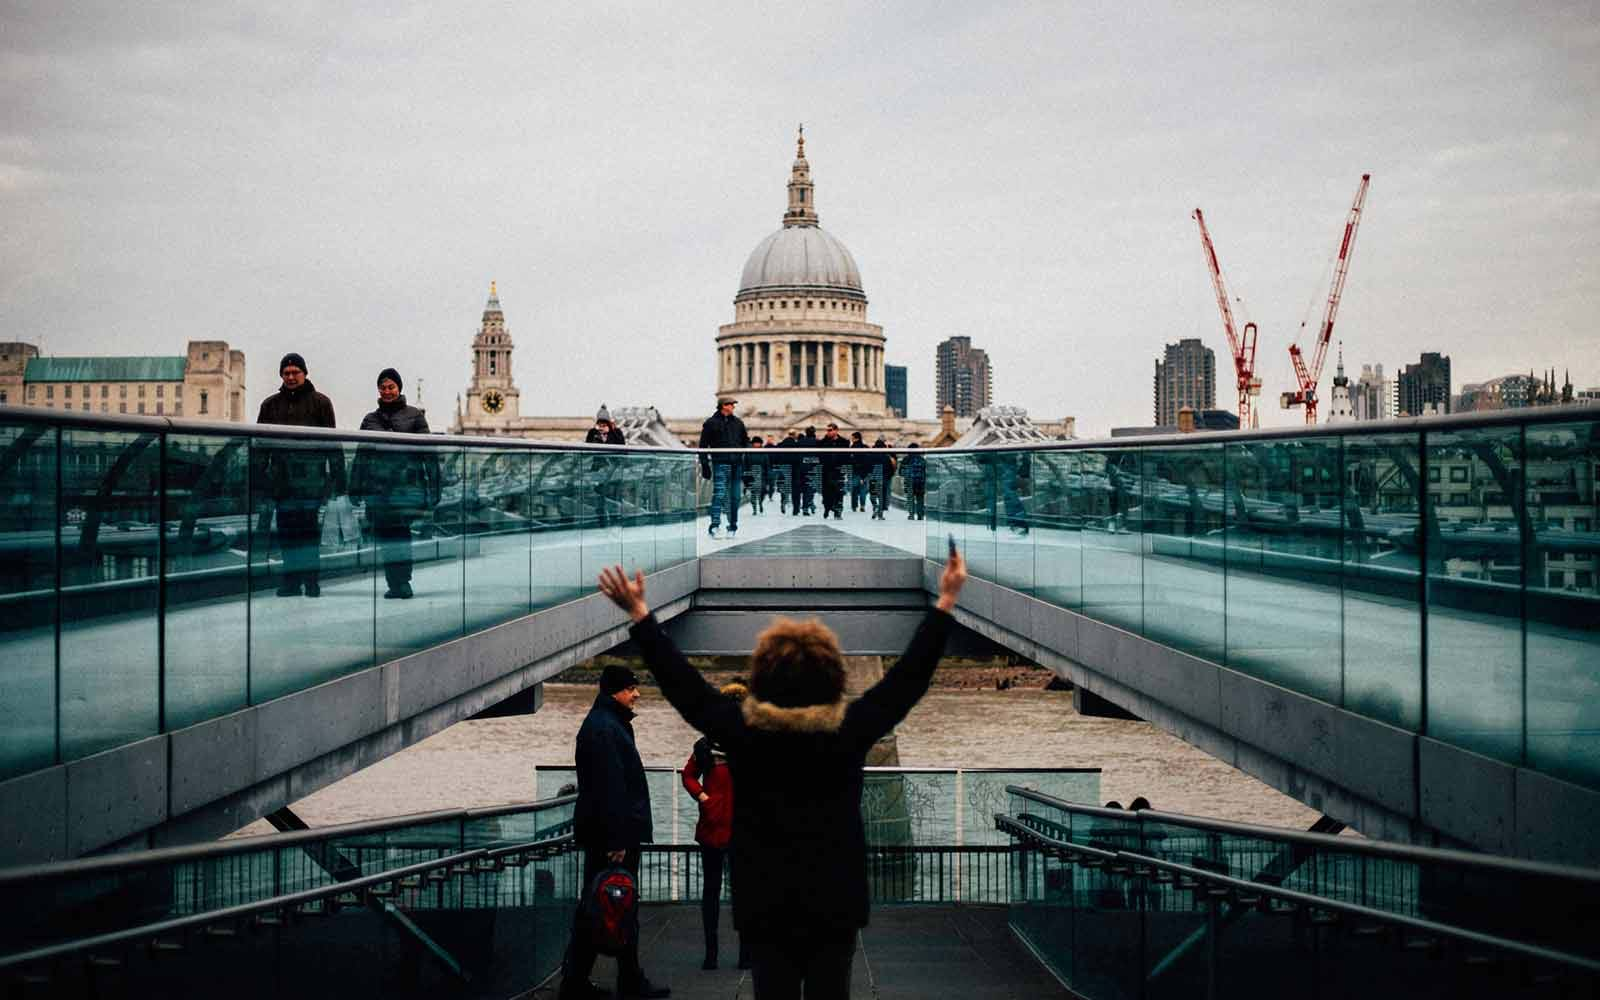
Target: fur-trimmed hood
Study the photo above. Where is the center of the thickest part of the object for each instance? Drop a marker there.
(765, 716)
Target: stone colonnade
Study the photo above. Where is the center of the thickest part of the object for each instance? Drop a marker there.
(808, 362)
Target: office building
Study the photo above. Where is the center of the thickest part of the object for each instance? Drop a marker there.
(961, 376)
(894, 389)
(1186, 376)
(1425, 386)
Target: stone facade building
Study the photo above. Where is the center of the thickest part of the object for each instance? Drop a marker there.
(206, 383)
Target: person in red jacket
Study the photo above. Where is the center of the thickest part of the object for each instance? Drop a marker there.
(708, 779)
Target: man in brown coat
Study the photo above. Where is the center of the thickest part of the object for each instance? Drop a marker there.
(300, 475)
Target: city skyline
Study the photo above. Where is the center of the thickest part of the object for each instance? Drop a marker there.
(344, 184)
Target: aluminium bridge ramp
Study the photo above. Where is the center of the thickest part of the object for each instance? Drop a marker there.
(1149, 904)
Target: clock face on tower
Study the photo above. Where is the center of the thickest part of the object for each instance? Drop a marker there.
(493, 402)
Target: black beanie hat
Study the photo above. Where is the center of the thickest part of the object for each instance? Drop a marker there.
(616, 677)
(293, 359)
(399, 383)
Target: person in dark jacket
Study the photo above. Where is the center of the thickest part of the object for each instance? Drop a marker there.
(723, 430)
(914, 474)
(833, 473)
(808, 472)
(601, 471)
(881, 473)
(708, 778)
(611, 821)
(860, 467)
(787, 467)
(301, 476)
(604, 431)
(799, 846)
(757, 475)
(398, 487)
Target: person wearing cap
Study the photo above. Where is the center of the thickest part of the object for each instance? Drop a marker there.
(601, 470)
(604, 431)
(398, 487)
(301, 476)
(611, 821)
(726, 471)
(860, 468)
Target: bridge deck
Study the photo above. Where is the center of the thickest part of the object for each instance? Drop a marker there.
(965, 951)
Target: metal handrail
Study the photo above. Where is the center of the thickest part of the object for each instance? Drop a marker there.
(110, 863)
(1364, 428)
(1306, 899)
(1375, 848)
(240, 911)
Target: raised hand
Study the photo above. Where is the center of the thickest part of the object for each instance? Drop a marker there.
(950, 581)
(625, 593)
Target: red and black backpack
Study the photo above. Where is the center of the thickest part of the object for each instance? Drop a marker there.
(611, 910)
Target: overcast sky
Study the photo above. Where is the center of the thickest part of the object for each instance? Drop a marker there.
(344, 180)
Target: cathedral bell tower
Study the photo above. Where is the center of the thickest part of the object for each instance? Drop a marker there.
(492, 402)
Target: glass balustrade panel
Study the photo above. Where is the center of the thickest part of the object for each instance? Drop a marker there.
(1478, 522)
(1183, 541)
(206, 565)
(110, 515)
(1563, 600)
(1113, 537)
(311, 578)
(1284, 543)
(1015, 541)
(557, 536)
(1381, 582)
(28, 576)
(497, 516)
(417, 521)
(1058, 516)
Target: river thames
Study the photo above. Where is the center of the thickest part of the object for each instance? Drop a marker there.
(492, 761)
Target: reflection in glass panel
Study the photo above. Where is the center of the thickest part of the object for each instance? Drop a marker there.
(310, 577)
(28, 596)
(936, 492)
(1382, 595)
(498, 523)
(1183, 532)
(1113, 569)
(601, 482)
(207, 524)
(1013, 475)
(1284, 536)
(1057, 518)
(110, 514)
(420, 500)
(1477, 519)
(557, 552)
(636, 488)
(1563, 601)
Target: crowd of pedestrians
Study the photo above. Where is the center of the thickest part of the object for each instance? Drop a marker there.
(799, 468)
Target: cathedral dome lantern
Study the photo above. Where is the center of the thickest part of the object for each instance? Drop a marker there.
(800, 341)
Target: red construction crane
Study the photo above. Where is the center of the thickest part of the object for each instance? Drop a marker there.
(1243, 348)
(1308, 378)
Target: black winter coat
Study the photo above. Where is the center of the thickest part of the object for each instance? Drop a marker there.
(799, 848)
(406, 480)
(722, 432)
(300, 471)
(613, 810)
(613, 436)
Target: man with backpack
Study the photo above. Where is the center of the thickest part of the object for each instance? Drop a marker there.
(610, 822)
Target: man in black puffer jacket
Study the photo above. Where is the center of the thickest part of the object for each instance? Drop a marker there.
(301, 476)
(398, 487)
(799, 846)
(610, 822)
(723, 430)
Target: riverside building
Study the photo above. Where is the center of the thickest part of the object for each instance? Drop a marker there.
(204, 383)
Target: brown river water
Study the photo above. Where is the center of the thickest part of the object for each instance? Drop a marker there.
(492, 761)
